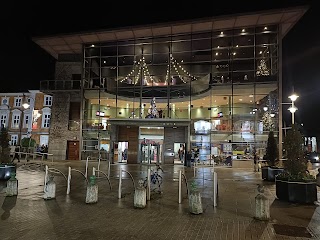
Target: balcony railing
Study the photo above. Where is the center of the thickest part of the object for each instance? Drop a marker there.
(60, 85)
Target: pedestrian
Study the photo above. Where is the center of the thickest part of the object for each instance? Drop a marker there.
(16, 153)
(45, 151)
(255, 165)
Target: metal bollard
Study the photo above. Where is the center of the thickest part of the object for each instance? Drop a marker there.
(180, 182)
(120, 183)
(109, 165)
(87, 163)
(45, 177)
(148, 185)
(69, 180)
(215, 188)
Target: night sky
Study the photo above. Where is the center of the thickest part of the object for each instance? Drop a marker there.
(24, 64)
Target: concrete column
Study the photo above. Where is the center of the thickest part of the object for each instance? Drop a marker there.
(92, 191)
(50, 189)
(262, 207)
(195, 203)
(12, 186)
(140, 196)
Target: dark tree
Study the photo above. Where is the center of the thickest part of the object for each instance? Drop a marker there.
(4, 146)
(272, 149)
(293, 145)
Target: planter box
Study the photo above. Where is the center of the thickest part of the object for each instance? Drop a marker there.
(270, 173)
(297, 192)
(6, 170)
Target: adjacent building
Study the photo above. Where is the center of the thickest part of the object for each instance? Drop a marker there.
(26, 115)
(141, 93)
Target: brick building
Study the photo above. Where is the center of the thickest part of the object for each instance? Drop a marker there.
(25, 115)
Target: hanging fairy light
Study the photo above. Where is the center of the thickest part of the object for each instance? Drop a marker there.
(144, 70)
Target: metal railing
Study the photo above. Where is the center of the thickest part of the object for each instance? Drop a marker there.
(60, 85)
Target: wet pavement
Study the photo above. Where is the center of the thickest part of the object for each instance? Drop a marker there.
(29, 216)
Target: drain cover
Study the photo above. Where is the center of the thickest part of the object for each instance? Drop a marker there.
(292, 231)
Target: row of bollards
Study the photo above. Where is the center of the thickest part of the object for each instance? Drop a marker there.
(141, 193)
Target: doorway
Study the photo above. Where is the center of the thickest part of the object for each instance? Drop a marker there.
(121, 152)
(150, 152)
(73, 150)
(179, 153)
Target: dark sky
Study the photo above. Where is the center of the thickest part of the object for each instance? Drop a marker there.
(24, 64)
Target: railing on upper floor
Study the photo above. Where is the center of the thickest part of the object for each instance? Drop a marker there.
(60, 85)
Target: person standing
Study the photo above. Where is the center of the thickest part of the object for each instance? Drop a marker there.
(255, 163)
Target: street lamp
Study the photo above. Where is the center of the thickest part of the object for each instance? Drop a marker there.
(26, 105)
(293, 108)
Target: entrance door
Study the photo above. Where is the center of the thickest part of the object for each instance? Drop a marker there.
(150, 153)
(73, 150)
(179, 153)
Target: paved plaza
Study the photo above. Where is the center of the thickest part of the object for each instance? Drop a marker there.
(29, 216)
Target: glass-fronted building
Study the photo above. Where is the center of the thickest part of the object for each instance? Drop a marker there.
(148, 93)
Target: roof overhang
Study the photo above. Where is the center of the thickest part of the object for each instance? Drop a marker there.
(72, 43)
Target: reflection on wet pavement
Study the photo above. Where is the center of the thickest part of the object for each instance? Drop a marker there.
(28, 216)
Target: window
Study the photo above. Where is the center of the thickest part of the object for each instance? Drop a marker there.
(26, 120)
(3, 120)
(47, 100)
(46, 121)
(15, 121)
(5, 101)
(76, 76)
(17, 101)
(14, 140)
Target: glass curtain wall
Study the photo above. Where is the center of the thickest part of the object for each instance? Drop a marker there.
(224, 81)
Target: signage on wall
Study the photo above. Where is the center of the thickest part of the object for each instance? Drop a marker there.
(220, 114)
(100, 114)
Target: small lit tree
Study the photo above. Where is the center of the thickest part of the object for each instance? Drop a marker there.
(272, 149)
(4, 146)
(293, 145)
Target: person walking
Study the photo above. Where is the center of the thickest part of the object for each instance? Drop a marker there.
(16, 153)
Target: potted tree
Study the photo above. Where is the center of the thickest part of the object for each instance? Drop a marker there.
(295, 184)
(269, 172)
(6, 167)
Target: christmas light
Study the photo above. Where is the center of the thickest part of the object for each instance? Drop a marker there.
(262, 69)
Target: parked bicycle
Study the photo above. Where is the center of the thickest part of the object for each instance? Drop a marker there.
(155, 179)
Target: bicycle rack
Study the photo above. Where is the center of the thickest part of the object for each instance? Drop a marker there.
(120, 181)
(180, 185)
(94, 173)
(69, 178)
(53, 170)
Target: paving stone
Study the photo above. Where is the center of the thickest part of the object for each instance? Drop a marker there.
(28, 216)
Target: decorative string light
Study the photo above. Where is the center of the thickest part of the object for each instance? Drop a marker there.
(263, 69)
(143, 69)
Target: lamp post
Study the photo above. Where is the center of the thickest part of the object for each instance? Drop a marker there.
(26, 105)
(293, 108)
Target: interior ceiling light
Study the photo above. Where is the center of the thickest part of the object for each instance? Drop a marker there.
(221, 33)
(243, 30)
